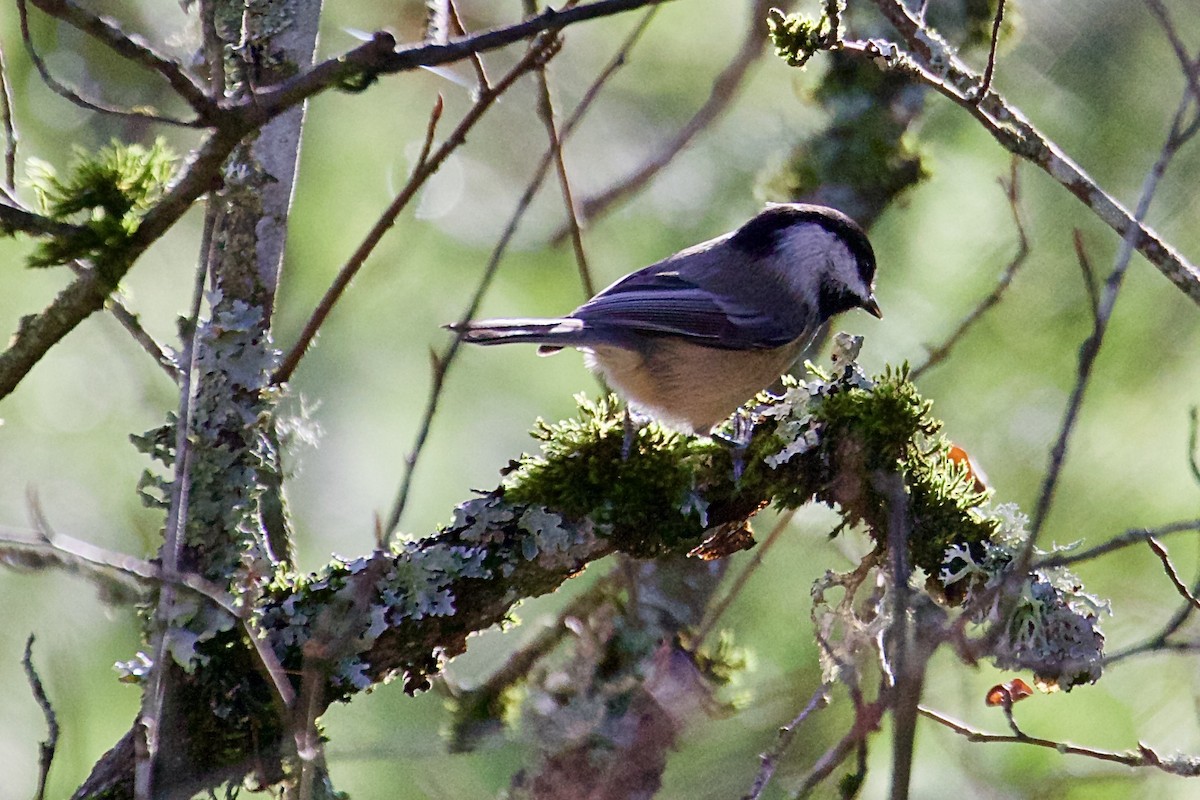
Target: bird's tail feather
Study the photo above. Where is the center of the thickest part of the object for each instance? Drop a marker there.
(551, 333)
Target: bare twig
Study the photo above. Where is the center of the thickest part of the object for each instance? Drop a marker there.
(426, 165)
(1144, 757)
(1193, 435)
(769, 761)
(10, 133)
(1127, 539)
(939, 353)
(476, 59)
(129, 574)
(1172, 574)
(545, 107)
(380, 56)
(866, 720)
(86, 295)
(989, 71)
(442, 361)
(129, 47)
(724, 91)
(1176, 138)
(387, 219)
(45, 749)
(1189, 66)
(62, 90)
(173, 537)
(130, 323)
(1089, 276)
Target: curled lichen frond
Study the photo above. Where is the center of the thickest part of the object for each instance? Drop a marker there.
(106, 194)
(1052, 624)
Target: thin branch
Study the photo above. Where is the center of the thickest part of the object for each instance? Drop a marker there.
(769, 761)
(932, 61)
(13, 218)
(939, 353)
(866, 721)
(130, 323)
(86, 295)
(545, 108)
(1091, 346)
(62, 90)
(118, 569)
(173, 537)
(1129, 538)
(1193, 436)
(724, 91)
(1172, 574)
(10, 132)
(380, 56)
(1144, 757)
(387, 219)
(989, 71)
(1089, 276)
(45, 749)
(442, 361)
(1187, 64)
(476, 59)
(130, 47)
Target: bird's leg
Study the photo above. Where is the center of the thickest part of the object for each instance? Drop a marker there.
(739, 441)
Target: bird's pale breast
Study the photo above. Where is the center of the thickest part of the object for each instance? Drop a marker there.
(689, 386)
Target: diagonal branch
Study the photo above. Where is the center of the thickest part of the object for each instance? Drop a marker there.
(934, 63)
(379, 56)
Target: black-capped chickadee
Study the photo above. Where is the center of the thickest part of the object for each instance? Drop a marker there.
(691, 338)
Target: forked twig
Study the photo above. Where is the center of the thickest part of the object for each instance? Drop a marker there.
(47, 748)
(1143, 757)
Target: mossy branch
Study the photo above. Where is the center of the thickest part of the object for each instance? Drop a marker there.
(404, 612)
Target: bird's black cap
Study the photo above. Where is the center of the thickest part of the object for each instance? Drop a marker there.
(758, 237)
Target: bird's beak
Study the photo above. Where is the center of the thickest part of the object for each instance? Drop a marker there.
(872, 307)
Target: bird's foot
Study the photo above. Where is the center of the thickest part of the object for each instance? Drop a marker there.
(738, 441)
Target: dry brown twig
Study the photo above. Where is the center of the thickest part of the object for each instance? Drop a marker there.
(1142, 757)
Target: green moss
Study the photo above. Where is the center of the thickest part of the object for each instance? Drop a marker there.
(797, 37)
(106, 193)
(581, 473)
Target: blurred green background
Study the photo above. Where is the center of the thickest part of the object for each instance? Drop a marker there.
(1096, 75)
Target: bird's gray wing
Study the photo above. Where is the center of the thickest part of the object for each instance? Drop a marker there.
(657, 301)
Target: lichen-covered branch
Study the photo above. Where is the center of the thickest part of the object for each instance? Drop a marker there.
(404, 612)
